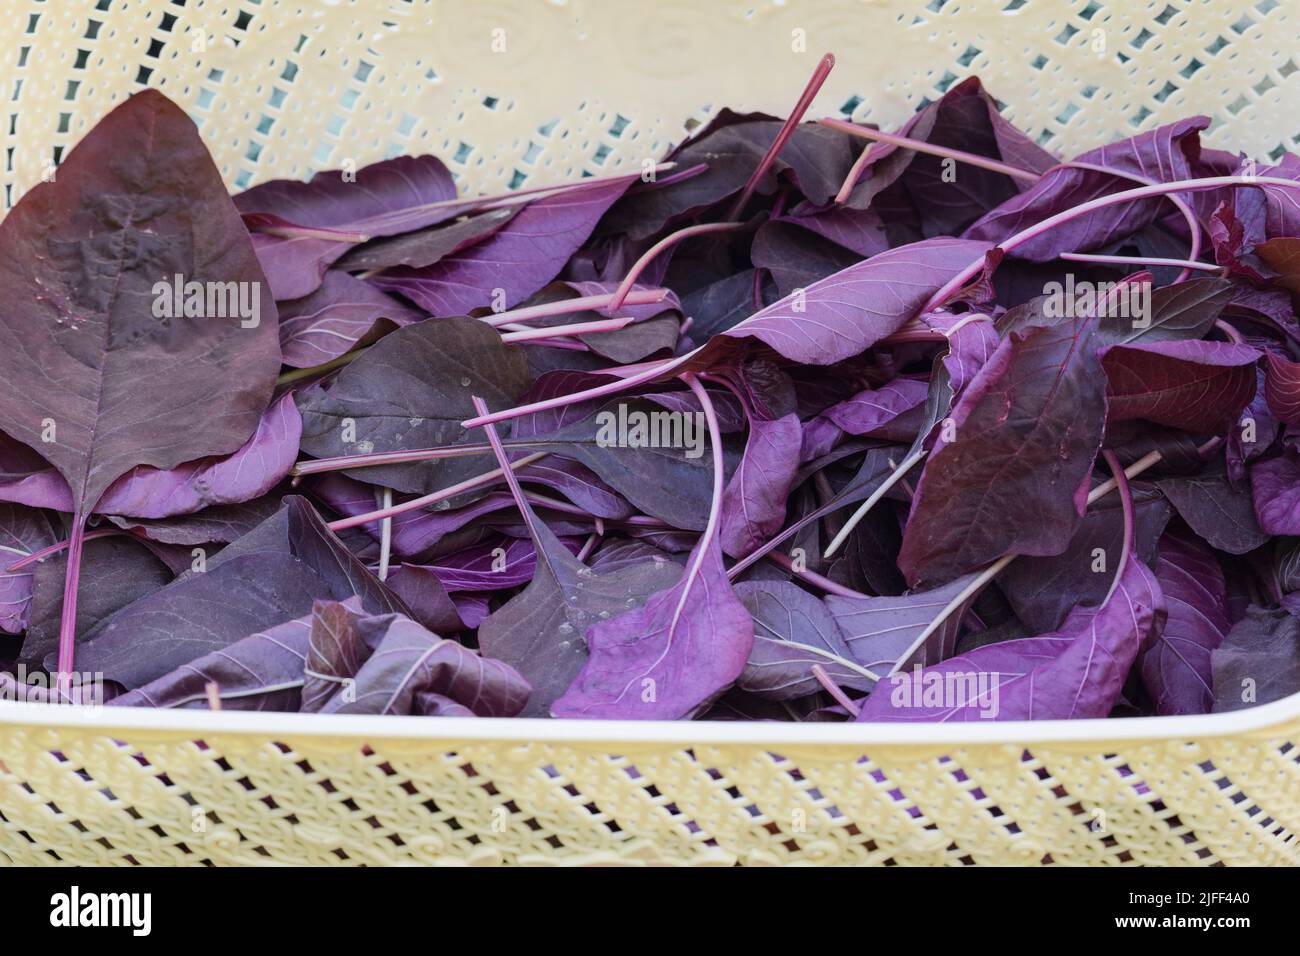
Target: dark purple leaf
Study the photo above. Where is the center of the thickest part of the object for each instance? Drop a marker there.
(261, 672)
(883, 632)
(1215, 510)
(1258, 661)
(542, 631)
(578, 483)
(424, 247)
(136, 203)
(669, 658)
(23, 532)
(1254, 433)
(1275, 490)
(381, 199)
(815, 158)
(1197, 386)
(390, 665)
(1176, 668)
(654, 459)
(276, 571)
(1011, 473)
(1043, 591)
(850, 311)
(114, 572)
(870, 411)
(797, 258)
(721, 305)
(249, 473)
(430, 604)
(1165, 154)
(493, 566)
(412, 390)
(1282, 388)
(220, 523)
(859, 230)
(933, 194)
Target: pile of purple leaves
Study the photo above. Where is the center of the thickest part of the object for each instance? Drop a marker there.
(808, 421)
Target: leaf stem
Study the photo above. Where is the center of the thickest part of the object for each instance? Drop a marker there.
(813, 578)
(573, 328)
(298, 374)
(469, 484)
(690, 172)
(384, 499)
(918, 146)
(908, 464)
(68, 618)
(1126, 505)
(474, 204)
(1193, 224)
(1101, 202)
(835, 691)
(588, 546)
(306, 232)
(1140, 261)
(44, 553)
(699, 229)
(1229, 330)
(810, 91)
(345, 462)
(584, 303)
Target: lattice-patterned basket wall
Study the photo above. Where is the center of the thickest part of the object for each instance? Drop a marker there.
(514, 93)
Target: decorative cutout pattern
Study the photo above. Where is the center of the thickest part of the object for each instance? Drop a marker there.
(535, 92)
(99, 796)
(512, 94)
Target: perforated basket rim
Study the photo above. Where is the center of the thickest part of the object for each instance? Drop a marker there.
(1251, 721)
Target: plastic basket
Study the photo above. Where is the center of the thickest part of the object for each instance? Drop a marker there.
(530, 92)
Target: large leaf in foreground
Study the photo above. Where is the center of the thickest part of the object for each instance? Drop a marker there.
(1011, 473)
(89, 375)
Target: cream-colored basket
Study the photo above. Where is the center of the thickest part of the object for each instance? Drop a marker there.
(514, 93)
